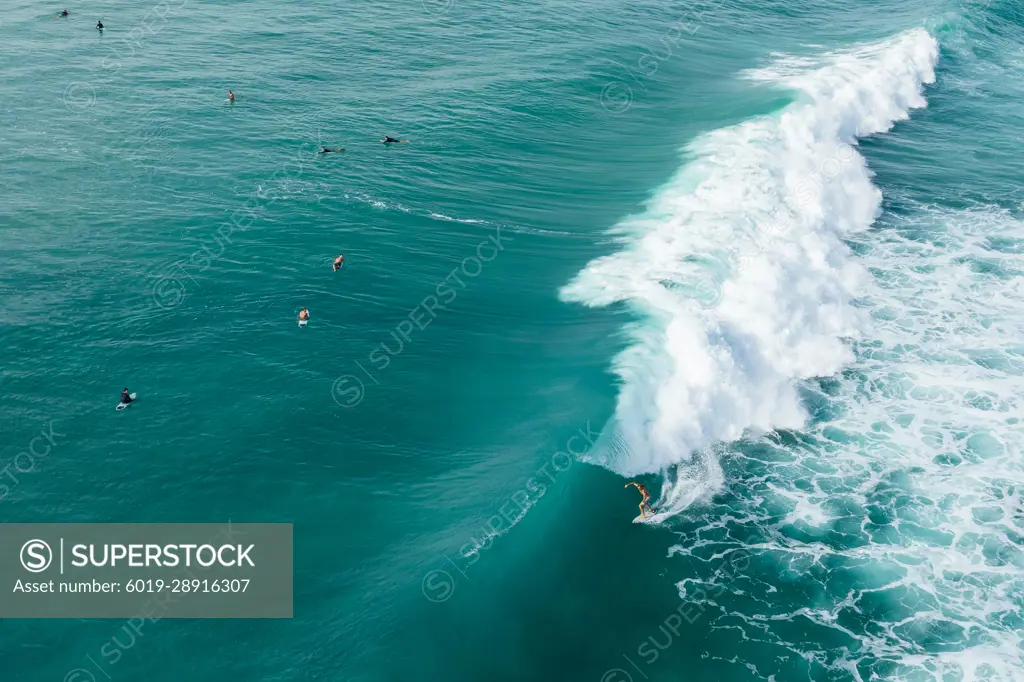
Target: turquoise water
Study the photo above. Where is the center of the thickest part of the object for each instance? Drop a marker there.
(765, 258)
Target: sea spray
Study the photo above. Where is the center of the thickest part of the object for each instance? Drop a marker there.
(762, 209)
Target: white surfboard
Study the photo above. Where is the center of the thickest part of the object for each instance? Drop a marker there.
(302, 323)
(651, 518)
(121, 406)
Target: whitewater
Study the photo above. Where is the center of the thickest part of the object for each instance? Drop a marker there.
(850, 379)
(738, 270)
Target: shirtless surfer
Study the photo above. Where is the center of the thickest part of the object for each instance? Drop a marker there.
(644, 503)
(303, 315)
(338, 262)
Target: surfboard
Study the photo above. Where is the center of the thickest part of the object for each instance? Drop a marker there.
(121, 406)
(651, 518)
(302, 323)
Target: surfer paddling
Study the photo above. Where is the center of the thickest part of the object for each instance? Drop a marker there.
(644, 503)
(338, 262)
(390, 140)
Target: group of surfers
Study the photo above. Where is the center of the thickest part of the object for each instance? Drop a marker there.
(126, 398)
(387, 140)
(99, 23)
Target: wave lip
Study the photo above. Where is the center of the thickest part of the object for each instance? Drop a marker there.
(738, 270)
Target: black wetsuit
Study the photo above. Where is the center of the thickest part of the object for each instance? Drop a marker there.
(125, 398)
(99, 25)
(388, 140)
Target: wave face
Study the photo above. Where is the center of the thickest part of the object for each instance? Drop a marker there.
(738, 269)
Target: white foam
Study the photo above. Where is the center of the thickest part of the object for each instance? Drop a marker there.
(912, 495)
(940, 392)
(738, 270)
(901, 507)
(448, 218)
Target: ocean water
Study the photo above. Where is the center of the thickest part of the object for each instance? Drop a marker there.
(766, 258)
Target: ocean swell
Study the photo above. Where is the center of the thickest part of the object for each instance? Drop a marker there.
(738, 272)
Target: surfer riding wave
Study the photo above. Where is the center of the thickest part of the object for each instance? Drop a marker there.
(644, 505)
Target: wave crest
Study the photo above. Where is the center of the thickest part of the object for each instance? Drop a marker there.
(738, 268)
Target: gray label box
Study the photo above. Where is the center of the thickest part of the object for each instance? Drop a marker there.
(145, 570)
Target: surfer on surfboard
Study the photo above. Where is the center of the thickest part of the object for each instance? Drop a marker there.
(644, 503)
(338, 262)
(303, 316)
(126, 397)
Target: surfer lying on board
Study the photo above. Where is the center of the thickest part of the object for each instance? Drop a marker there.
(125, 397)
(303, 315)
(644, 503)
(338, 262)
(391, 140)
(325, 150)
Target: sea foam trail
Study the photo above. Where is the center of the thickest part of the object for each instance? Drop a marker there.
(738, 270)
